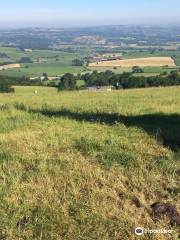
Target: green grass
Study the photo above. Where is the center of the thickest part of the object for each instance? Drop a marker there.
(46, 55)
(50, 69)
(158, 70)
(13, 53)
(117, 70)
(146, 74)
(71, 163)
(80, 83)
(39, 69)
(147, 71)
(136, 54)
(13, 73)
(54, 62)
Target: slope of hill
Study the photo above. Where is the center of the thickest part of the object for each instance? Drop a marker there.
(87, 165)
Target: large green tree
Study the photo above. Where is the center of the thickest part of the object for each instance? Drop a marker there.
(67, 82)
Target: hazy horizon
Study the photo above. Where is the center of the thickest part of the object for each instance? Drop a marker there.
(79, 13)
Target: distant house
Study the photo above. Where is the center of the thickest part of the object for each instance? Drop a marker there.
(41, 60)
(34, 78)
(100, 89)
(104, 59)
(42, 78)
(53, 78)
(112, 58)
(28, 50)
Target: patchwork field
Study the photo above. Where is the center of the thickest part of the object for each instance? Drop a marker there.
(43, 61)
(78, 165)
(142, 62)
(58, 62)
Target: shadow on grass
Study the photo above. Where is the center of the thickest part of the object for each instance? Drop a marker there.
(166, 128)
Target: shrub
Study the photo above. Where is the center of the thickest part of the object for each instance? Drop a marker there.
(5, 87)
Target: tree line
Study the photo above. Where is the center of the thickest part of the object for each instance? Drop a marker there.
(108, 78)
(119, 81)
(6, 83)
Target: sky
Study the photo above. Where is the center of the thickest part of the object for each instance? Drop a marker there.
(71, 13)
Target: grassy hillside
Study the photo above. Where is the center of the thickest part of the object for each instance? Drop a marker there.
(87, 165)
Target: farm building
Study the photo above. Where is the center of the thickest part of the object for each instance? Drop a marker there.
(100, 89)
(28, 50)
(104, 59)
(53, 78)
